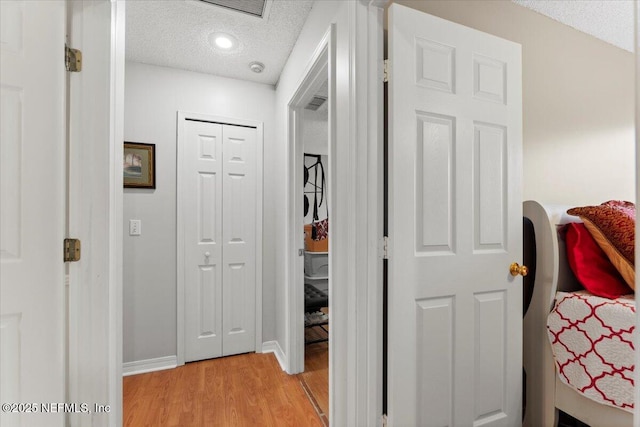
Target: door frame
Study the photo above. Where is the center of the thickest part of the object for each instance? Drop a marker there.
(370, 129)
(95, 193)
(636, 33)
(182, 116)
(321, 68)
(356, 250)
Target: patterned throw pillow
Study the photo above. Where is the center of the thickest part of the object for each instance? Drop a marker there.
(612, 225)
(322, 229)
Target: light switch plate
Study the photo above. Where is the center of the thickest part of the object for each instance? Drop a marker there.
(135, 227)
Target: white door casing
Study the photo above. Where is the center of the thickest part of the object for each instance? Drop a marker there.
(94, 212)
(455, 224)
(32, 160)
(220, 207)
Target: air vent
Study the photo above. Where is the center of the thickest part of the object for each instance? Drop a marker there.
(255, 8)
(316, 103)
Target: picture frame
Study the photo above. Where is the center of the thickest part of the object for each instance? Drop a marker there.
(139, 165)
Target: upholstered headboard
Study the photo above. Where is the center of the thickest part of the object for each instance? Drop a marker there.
(551, 274)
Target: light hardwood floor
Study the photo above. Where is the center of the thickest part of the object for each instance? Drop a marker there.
(244, 390)
(315, 378)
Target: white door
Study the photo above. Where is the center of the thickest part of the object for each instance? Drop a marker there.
(238, 239)
(455, 224)
(202, 204)
(219, 205)
(32, 196)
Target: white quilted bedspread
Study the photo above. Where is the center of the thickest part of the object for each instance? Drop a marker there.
(591, 339)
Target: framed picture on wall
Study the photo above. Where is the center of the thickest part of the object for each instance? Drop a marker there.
(139, 165)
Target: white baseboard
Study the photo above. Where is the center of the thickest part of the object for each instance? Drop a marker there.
(274, 347)
(149, 365)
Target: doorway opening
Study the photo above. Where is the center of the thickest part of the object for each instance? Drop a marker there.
(315, 378)
(311, 195)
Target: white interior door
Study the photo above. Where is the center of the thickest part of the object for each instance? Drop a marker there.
(219, 205)
(455, 224)
(32, 202)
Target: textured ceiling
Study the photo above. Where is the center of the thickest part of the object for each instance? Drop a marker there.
(610, 21)
(175, 33)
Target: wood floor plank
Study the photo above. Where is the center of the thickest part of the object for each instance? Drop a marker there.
(243, 390)
(315, 377)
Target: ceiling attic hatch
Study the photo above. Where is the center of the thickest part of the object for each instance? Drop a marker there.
(256, 8)
(316, 102)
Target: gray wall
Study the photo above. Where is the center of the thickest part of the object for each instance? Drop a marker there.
(153, 95)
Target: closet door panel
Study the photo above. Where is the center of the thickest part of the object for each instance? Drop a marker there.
(239, 240)
(203, 243)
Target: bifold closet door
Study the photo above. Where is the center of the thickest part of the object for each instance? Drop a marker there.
(219, 205)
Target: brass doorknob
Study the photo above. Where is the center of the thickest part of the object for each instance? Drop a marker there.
(516, 269)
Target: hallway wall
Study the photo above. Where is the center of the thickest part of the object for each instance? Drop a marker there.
(153, 95)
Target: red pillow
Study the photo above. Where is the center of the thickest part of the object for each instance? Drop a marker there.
(613, 226)
(590, 264)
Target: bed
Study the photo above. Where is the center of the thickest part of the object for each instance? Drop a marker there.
(545, 391)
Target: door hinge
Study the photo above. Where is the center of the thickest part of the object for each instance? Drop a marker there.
(384, 420)
(385, 71)
(385, 247)
(71, 250)
(72, 59)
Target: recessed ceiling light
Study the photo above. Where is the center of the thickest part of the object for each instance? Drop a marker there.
(223, 41)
